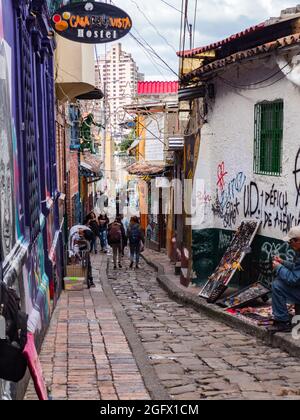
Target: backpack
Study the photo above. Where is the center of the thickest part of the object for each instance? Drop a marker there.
(115, 234)
(134, 235)
(13, 335)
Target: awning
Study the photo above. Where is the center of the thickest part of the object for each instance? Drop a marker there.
(94, 94)
(70, 91)
(145, 168)
(90, 165)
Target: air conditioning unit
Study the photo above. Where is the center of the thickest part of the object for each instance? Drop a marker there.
(176, 143)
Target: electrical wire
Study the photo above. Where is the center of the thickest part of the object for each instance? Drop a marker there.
(150, 47)
(152, 51)
(254, 87)
(255, 83)
(170, 5)
(195, 19)
(153, 26)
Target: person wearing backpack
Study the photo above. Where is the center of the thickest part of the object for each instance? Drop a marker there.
(116, 238)
(136, 239)
(92, 223)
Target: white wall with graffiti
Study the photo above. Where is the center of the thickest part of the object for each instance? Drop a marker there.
(232, 190)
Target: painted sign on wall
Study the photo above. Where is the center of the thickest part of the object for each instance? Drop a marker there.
(91, 23)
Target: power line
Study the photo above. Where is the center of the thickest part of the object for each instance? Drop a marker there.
(254, 86)
(170, 5)
(153, 26)
(151, 48)
(152, 51)
(195, 19)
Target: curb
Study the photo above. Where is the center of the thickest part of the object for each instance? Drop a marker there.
(283, 341)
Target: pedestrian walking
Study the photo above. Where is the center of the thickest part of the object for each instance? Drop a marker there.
(103, 222)
(80, 238)
(286, 286)
(116, 238)
(125, 224)
(136, 241)
(92, 223)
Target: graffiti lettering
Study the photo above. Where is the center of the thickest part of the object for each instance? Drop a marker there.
(269, 206)
(203, 198)
(235, 186)
(228, 214)
(269, 251)
(221, 176)
(224, 240)
(297, 176)
(251, 200)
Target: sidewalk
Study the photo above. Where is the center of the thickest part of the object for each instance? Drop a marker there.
(189, 295)
(85, 355)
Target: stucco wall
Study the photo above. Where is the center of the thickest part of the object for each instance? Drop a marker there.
(226, 165)
(227, 151)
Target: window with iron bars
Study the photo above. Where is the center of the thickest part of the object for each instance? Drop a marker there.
(268, 138)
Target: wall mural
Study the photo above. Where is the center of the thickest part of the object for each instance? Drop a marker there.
(5, 387)
(36, 285)
(7, 208)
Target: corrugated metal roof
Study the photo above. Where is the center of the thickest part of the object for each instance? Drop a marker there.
(156, 88)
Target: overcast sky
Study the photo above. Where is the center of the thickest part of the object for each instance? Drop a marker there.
(216, 19)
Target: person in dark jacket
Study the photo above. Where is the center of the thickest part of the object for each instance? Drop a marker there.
(92, 223)
(136, 238)
(116, 239)
(103, 222)
(286, 286)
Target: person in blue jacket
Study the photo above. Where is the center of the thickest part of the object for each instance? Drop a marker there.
(286, 286)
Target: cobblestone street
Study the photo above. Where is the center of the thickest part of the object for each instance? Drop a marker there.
(196, 357)
(87, 355)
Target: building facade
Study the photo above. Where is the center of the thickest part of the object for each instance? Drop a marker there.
(156, 119)
(117, 75)
(31, 240)
(249, 144)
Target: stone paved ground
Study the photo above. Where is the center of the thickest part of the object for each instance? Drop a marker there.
(196, 357)
(85, 354)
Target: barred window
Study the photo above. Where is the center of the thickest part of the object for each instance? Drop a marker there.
(268, 138)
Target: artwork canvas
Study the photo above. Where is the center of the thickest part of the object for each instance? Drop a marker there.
(231, 260)
(246, 296)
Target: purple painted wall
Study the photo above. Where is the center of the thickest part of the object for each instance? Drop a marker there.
(29, 223)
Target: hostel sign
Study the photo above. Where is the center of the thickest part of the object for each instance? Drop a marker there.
(91, 23)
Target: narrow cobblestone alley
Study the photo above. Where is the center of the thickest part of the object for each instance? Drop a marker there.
(86, 354)
(196, 357)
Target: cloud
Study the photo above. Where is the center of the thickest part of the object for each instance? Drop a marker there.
(216, 19)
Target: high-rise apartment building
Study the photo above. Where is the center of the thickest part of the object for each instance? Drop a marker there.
(117, 75)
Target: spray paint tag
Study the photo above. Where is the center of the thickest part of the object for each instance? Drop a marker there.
(2, 328)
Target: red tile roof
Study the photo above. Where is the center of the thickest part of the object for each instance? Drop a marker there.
(206, 70)
(195, 51)
(156, 88)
